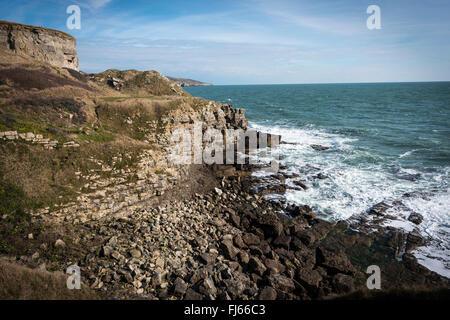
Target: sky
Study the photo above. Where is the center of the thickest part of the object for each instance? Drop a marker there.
(255, 41)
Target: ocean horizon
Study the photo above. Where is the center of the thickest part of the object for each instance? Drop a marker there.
(324, 83)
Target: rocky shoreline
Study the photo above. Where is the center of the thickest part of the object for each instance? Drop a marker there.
(231, 243)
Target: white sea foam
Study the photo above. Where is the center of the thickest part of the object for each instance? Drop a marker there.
(407, 153)
(358, 179)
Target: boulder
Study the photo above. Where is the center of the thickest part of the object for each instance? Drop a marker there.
(416, 218)
(192, 295)
(281, 283)
(267, 293)
(135, 253)
(342, 283)
(270, 224)
(208, 288)
(251, 239)
(319, 147)
(305, 236)
(334, 260)
(308, 278)
(256, 266)
(208, 258)
(228, 249)
(180, 287)
(282, 241)
(379, 209)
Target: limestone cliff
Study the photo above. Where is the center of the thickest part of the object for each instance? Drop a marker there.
(51, 46)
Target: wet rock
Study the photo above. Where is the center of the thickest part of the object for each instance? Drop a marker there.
(320, 176)
(335, 260)
(300, 184)
(416, 218)
(302, 210)
(414, 240)
(379, 209)
(408, 176)
(319, 147)
(396, 240)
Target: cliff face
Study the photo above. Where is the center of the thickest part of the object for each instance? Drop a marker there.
(51, 46)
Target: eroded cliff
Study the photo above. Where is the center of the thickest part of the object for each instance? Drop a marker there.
(51, 46)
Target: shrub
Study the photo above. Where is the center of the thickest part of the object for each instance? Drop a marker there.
(12, 199)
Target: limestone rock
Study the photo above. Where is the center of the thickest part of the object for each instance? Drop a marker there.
(51, 46)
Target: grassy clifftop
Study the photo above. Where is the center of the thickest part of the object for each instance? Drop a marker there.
(57, 125)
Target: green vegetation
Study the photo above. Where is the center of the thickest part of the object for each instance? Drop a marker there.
(98, 135)
(198, 103)
(23, 126)
(6, 248)
(14, 202)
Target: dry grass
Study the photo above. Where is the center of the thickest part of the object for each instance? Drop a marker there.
(49, 176)
(27, 79)
(22, 283)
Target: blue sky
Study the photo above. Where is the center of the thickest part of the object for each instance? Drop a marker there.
(256, 41)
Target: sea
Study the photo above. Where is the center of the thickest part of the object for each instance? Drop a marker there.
(385, 140)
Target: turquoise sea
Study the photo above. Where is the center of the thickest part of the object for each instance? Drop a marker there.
(385, 139)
